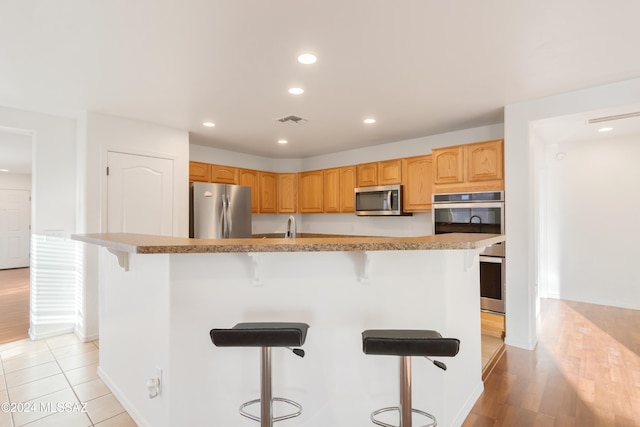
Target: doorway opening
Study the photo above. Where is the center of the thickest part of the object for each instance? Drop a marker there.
(15, 233)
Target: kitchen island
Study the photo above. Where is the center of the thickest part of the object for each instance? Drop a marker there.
(160, 296)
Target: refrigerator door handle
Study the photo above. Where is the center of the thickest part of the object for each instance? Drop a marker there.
(223, 228)
(229, 218)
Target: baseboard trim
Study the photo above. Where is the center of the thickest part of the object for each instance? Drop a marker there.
(126, 404)
(468, 406)
(85, 338)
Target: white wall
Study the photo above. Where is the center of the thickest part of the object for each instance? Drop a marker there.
(98, 134)
(592, 230)
(199, 153)
(15, 181)
(53, 216)
(406, 148)
(416, 225)
(520, 199)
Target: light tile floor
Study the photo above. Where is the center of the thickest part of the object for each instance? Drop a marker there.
(47, 383)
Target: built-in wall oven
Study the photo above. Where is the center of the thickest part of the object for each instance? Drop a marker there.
(481, 212)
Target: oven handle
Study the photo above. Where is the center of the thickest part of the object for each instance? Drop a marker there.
(491, 259)
(468, 205)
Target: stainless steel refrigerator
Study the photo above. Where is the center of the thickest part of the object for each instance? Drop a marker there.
(219, 211)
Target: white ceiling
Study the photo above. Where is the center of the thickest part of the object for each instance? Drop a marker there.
(576, 128)
(420, 67)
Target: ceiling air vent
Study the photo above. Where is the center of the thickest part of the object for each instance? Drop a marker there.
(293, 120)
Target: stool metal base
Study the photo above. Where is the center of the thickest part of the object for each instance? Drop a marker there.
(274, 419)
(405, 409)
(433, 422)
(266, 418)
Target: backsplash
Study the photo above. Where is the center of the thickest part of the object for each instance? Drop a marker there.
(418, 224)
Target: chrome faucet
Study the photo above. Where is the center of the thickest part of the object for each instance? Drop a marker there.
(291, 228)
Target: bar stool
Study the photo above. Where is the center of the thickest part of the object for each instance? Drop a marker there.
(406, 343)
(264, 335)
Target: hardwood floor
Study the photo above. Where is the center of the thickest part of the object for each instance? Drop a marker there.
(584, 372)
(14, 304)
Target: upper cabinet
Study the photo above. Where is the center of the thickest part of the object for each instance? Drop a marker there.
(199, 172)
(347, 185)
(417, 180)
(310, 193)
(268, 192)
(379, 173)
(224, 174)
(471, 167)
(485, 161)
(367, 174)
(390, 172)
(331, 190)
(251, 178)
(287, 192)
(448, 165)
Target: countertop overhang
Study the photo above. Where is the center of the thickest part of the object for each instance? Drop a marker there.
(152, 244)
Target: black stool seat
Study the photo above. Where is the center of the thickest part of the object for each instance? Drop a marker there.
(408, 342)
(261, 334)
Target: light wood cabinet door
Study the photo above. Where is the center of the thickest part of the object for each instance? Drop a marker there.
(471, 167)
(367, 174)
(331, 190)
(287, 190)
(224, 174)
(417, 183)
(390, 172)
(484, 161)
(199, 172)
(268, 192)
(251, 178)
(347, 185)
(448, 165)
(310, 192)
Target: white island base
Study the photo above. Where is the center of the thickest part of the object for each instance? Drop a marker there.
(155, 320)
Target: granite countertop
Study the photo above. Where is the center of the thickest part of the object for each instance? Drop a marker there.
(150, 244)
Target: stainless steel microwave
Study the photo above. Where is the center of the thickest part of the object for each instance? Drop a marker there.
(382, 200)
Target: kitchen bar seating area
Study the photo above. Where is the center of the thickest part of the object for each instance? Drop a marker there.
(339, 286)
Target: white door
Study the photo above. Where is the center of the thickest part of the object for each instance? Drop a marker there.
(139, 194)
(15, 218)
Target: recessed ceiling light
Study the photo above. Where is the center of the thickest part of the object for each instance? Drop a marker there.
(607, 129)
(4, 170)
(307, 59)
(209, 124)
(369, 121)
(296, 91)
(282, 141)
